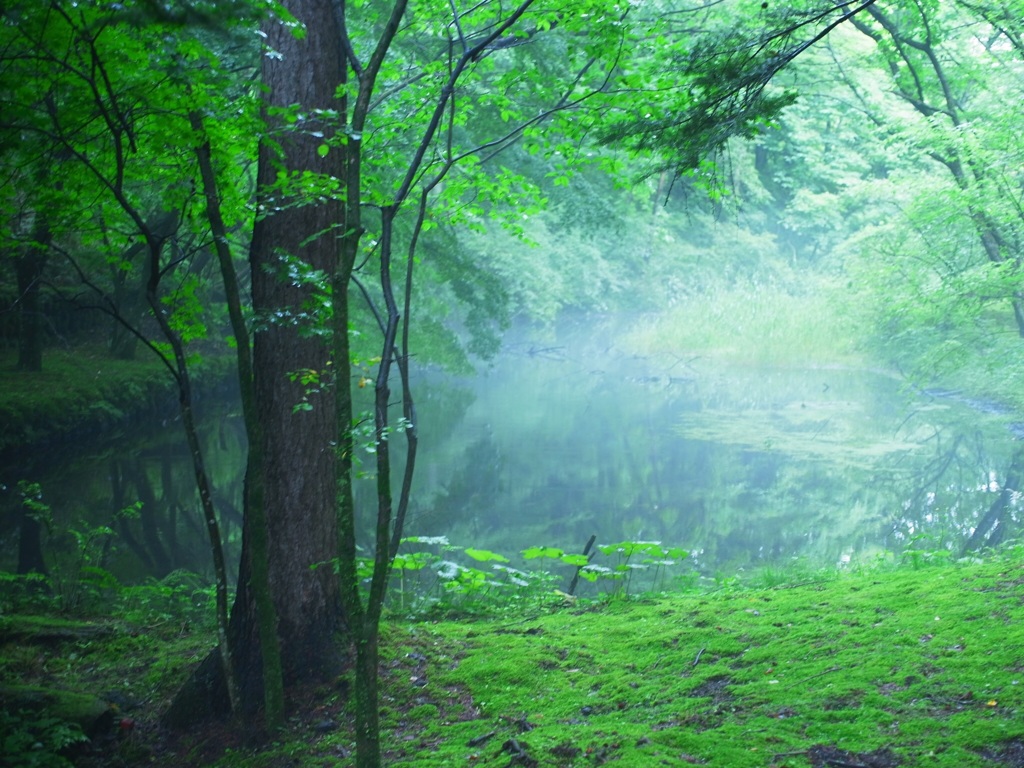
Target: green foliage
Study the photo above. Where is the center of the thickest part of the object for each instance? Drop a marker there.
(758, 325)
(36, 740)
(652, 556)
(78, 582)
(77, 576)
(485, 556)
(924, 550)
(445, 580)
(24, 593)
(180, 597)
(794, 571)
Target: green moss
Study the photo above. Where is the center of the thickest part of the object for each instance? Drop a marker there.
(921, 665)
(924, 663)
(84, 388)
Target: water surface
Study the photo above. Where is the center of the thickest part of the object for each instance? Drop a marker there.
(574, 435)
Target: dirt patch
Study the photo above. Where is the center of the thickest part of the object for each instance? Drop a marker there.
(825, 756)
(1009, 754)
(842, 702)
(717, 688)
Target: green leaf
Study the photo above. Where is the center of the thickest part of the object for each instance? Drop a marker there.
(534, 552)
(485, 556)
(413, 561)
(577, 560)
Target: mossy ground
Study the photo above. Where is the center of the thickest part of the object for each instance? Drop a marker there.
(885, 667)
(83, 388)
(924, 666)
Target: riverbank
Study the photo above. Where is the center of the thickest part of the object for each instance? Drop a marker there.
(884, 666)
(769, 328)
(83, 391)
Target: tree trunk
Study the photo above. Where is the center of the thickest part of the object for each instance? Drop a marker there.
(297, 430)
(298, 444)
(296, 440)
(29, 267)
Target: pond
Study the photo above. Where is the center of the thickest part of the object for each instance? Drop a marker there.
(567, 438)
(574, 436)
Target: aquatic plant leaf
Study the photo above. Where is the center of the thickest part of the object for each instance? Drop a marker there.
(534, 552)
(577, 560)
(485, 556)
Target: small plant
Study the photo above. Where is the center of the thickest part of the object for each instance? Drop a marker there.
(653, 556)
(446, 579)
(555, 556)
(77, 576)
(36, 740)
(918, 555)
(181, 597)
(24, 592)
(797, 569)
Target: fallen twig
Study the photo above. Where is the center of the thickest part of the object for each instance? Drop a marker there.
(478, 740)
(820, 674)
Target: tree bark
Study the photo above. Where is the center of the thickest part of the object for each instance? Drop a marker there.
(298, 444)
(296, 440)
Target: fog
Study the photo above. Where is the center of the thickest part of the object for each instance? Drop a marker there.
(569, 434)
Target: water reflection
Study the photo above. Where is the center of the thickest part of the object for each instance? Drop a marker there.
(139, 483)
(562, 440)
(743, 467)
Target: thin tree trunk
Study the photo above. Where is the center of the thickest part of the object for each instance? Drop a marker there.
(183, 379)
(29, 268)
(254, 515)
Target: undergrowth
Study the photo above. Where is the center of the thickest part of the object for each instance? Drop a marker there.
(912, 658)
(885, 664)
(755, 325)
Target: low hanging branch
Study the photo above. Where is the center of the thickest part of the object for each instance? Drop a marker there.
(726, 97)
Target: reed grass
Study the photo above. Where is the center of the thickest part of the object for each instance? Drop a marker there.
(758, 325)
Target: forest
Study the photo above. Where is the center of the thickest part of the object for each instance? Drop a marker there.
(286, 287)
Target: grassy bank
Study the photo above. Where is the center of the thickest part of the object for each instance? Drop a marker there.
(823, 325)
(83, 389)
(883, 667)
(756, 326)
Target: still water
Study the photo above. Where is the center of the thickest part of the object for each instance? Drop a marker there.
(741, 467)
(571, 436)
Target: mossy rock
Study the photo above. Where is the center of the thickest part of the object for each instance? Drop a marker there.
(49, 630)
(90, 713)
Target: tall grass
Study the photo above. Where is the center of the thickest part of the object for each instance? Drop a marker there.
(758, 325)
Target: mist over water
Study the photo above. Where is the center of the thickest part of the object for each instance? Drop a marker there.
(573, 434)
(578, 434)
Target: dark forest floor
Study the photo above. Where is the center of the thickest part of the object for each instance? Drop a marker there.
(884, 667)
